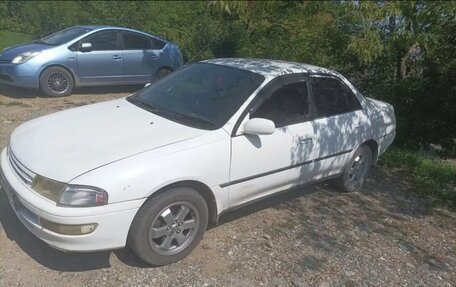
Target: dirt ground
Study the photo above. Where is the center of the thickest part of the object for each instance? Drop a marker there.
(311, 236)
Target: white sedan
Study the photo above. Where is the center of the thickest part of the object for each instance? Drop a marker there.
(153, 170)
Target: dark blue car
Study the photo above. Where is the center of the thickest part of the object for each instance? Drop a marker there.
(88, 56)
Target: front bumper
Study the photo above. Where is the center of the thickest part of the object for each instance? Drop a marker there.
(113, 220)
(22, 75)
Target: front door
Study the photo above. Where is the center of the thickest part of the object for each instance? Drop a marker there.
(264, 164)
(103, 64)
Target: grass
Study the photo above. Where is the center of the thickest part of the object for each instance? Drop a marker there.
(8, 38)
(431, 177)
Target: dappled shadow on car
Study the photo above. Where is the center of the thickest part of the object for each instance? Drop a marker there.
(41, 252)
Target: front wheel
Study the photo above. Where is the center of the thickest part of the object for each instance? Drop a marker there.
(56, 82)
(355, 173)
(169, 226)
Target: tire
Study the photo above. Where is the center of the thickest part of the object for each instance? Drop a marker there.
(56, 82)
(356, 171)
(162, 73)
(175, 236)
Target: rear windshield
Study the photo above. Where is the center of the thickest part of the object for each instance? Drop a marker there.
(202, 95)
(64, 36)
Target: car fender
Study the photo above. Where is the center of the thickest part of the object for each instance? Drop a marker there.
(203, 159)
(71, 68)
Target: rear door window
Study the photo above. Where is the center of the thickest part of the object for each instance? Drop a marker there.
(332, 97)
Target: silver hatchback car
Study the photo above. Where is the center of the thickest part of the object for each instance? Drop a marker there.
(88, 56)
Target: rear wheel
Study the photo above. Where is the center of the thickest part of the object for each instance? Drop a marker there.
(162, 73)
(56, 82)
(355, 173)
(169, 226)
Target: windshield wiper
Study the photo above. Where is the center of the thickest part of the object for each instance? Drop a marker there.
(148, 106)
(195, 117)
(162, 112)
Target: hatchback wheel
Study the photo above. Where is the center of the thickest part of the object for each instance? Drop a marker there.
(162, 73)
(56, 82)
(169, 226)
(355, 173)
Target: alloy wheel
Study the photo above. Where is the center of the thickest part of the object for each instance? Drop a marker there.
(174, 228)
(58, 82)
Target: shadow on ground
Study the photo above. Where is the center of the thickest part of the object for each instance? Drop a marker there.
(304, 208)
(76, 262)
(20, 93)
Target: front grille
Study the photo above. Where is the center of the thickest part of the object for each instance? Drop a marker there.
(5, 61)
(21, 171)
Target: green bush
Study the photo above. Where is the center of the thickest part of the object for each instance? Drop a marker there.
(431, 177)
(12, 38)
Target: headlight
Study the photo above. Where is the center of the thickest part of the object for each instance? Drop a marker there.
(68, 194)
(25, 57)
(48, 188)
(79, 195)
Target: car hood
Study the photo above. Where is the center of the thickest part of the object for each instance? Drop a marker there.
(10, 53)
(66, 144)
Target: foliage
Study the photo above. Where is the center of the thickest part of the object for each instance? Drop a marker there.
(431, 177)
(402, 52)
(12, 38)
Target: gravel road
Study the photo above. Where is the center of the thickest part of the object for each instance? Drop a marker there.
(311, 236)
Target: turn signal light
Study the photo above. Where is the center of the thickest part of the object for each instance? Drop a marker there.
(67, 229)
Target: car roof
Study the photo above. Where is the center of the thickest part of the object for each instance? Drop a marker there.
(270, 68)
(97, 27)
(103, 27)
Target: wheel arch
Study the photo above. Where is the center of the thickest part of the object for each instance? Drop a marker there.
(72, 73)
(202, 189)
(165, 67)
(373, 145)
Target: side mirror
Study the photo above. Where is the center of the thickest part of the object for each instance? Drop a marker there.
(259, 126)
(86, 47)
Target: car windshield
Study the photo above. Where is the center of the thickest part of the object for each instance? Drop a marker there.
(64, 36)
(201, 95)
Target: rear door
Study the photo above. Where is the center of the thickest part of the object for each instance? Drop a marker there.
(103, 64)
(141, 57)
(338, 124)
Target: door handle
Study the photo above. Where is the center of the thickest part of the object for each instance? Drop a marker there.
(116, 57)
(304, 140)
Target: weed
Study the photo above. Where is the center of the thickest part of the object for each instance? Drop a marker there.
(431, 177)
